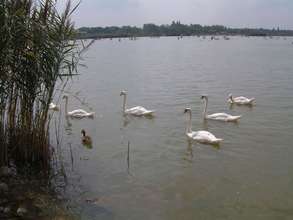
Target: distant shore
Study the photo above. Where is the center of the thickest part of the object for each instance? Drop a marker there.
(175, 29)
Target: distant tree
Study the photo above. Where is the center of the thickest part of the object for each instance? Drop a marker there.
(151, 30)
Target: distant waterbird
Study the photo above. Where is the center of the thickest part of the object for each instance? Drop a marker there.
(135, 111)
(204, 137)
(218, 116)
(53, 107)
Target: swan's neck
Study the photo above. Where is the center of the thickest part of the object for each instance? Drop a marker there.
(188, 126)
(205, 108)
(124, 103)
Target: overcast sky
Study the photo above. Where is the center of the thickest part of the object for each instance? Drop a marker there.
(233, 13)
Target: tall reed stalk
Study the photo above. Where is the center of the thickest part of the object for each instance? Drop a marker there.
(36, 50)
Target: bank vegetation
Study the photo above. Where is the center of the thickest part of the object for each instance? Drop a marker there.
(35, 53)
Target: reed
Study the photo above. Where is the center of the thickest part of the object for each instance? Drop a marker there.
(36, 51)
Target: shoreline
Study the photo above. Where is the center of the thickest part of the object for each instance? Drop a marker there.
(159, 36)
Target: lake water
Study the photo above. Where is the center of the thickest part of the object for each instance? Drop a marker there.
(250, 176)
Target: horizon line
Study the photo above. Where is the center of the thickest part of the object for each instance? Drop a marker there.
(203, 25)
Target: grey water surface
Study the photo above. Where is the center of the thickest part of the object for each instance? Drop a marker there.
(250, 176)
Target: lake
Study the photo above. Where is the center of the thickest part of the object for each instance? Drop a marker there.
(249, 176)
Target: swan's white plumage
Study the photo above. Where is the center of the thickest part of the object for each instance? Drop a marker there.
(204, 137)
(78, 113)
(241, 100)
(223, 117)
(139, 111)
(135, 111)
(219, 116)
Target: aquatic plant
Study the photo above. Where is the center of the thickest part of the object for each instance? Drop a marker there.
(36, 51)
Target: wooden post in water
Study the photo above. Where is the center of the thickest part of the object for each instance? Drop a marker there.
(71, 155)
(128, 149)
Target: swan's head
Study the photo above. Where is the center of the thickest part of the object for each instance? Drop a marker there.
(122, 93)
(65, 97)
(230, 97)
(187, 110)
(83, 132)
(204, 97)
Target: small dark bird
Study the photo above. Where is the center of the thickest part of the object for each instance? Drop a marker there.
(86, 140)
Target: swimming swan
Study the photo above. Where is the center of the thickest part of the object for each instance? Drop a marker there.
(53, 107)
(78, 113)
(240, 100)
(218, 116)
(136, 111)
(203, 137)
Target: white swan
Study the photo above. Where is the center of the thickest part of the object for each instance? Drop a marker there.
(241, 100)
(218, 116)
(136, 111)
(203, 137)
(78, 113)
(53, 107)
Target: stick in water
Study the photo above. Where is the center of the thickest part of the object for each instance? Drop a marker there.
(128, 156)
(71, 155)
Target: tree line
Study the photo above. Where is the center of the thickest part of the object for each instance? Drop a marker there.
(175, 29)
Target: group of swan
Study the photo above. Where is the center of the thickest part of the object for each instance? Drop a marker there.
(207, 137)
(204, 137)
